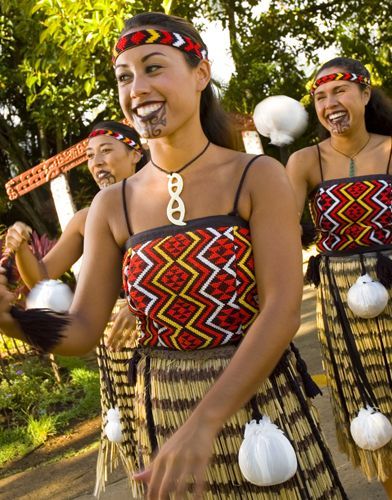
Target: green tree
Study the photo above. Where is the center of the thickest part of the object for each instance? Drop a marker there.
(56, 77)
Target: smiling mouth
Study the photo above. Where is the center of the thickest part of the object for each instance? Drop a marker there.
(105, 178)
(147, 111)
(337, 117)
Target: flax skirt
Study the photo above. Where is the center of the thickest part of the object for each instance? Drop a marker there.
(167, 385)
(113, 369)
(373, 340)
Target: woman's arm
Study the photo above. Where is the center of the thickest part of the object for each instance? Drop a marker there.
(69, 247)
(278, 262)
(297, 169)
(98, 286)
(57, 261)
(28, 266)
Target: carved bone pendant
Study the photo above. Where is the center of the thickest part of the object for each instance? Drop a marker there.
(175, 185)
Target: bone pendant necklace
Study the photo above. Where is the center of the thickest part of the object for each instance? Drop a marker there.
(175, 209)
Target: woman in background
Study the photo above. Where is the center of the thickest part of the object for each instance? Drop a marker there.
(347, 179)
(114, 152)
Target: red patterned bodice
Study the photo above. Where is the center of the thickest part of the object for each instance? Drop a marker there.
(353, 213)
(192, 287)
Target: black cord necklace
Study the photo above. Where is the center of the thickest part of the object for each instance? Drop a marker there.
(175, 185)
(352, 166)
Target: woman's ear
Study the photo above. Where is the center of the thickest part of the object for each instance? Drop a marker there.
(367, 92)
(136, 155)
(203, 74)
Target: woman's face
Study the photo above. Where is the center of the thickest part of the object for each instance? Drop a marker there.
(159, 92)
(109, 160)
(340, 105)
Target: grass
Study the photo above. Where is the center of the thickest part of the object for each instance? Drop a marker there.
(33, 406)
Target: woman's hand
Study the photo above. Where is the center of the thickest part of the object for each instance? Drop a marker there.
(181, 460)
(123, 331)
(17, 234)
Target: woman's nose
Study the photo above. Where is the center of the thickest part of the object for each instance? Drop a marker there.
(139, 86)
(96, 160)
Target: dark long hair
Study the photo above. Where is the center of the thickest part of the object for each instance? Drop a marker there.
(129, 132)
(216, 123)
(378, 111)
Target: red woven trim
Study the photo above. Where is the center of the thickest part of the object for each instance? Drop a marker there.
(348, 77)
(160, 37)
(116, 135)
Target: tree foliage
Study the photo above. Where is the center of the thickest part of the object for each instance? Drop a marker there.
(56, 77)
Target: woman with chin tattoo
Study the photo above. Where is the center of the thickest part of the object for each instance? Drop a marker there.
(114, 152)
(347, 180)
(210, 261)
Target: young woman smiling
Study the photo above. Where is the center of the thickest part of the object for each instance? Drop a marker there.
(114, 152)
(347, 178)
(212, 272)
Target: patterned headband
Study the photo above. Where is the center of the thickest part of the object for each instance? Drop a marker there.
(116, 135)
(161, 37)
(348, 77)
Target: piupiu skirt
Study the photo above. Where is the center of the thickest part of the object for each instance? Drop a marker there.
(162, 387)
(372, 341)
(115, 391)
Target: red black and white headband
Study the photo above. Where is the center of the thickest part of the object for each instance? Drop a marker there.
(116, 135)
(347, 77)
(161, 37)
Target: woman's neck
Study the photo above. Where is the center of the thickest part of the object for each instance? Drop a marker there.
(350, 143)
(171, 153)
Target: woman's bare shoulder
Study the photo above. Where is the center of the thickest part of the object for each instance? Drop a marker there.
(304, 157)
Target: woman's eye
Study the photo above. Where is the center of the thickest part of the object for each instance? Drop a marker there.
(152, 67)
(123, 78)
(106, 151)
(90, 156)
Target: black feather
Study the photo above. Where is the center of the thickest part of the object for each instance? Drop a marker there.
(43, 328)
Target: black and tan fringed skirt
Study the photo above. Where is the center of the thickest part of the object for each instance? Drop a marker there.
(162, 387)
(115, 391)
(357, 356)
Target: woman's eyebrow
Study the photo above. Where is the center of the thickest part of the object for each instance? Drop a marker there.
(143, 59)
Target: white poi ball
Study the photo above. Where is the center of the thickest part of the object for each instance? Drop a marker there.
(112, 428)
(266, 457)
(371, 429)
(280, 118)
(50, 294)
(367, 298)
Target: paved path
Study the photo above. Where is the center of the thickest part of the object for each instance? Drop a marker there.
(356, 486)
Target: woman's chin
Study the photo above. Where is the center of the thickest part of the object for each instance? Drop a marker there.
(339, 128)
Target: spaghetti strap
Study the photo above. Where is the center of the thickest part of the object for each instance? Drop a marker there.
(125, 208)
(237, 195)
(320, 164)
(390, 156)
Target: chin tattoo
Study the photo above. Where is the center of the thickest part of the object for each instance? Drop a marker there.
(108, 181)
(339, 128)
(152, 127)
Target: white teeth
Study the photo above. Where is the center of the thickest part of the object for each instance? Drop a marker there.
(102, 174)
(334, 116)
(149, 108)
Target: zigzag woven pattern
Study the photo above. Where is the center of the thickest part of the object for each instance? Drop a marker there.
(348, 77)
(353, 214)
(161, 37)
(194, 289)
(116, 135)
